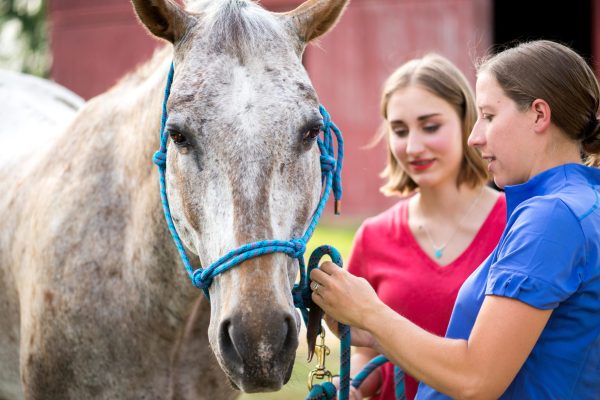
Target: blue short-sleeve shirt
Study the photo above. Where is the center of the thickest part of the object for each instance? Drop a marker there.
(549, 258)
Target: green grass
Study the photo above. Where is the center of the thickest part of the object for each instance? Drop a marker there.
(338, 237)
(296, 388)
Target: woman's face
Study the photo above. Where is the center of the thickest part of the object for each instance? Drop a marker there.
(425, 136)
(502, 134)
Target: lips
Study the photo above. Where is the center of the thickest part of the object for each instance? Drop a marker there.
(421, 164)
(490, 160)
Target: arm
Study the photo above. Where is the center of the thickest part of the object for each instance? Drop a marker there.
(482, 367)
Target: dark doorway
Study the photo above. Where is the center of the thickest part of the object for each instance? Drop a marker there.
(568, 22)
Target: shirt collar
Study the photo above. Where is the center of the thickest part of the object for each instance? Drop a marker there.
(549, 181)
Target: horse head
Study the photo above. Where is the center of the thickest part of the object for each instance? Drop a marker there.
(243, 164)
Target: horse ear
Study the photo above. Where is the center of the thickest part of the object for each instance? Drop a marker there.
(315, 17)
(163, 18)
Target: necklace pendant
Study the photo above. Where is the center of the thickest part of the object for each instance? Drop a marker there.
(438, 253)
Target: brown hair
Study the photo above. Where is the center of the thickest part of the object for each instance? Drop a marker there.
(556, 74)
(441, 78)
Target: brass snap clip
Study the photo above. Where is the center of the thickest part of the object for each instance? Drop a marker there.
(322, 351)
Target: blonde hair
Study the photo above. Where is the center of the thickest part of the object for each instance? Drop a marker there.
(441, 78)
(550, 71)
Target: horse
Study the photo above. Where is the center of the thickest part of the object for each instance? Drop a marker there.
(30, 102)
(94, 301)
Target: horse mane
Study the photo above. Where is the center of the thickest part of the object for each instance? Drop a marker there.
(241, 27)
(143, 71)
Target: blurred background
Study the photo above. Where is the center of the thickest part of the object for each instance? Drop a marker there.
(87, 45)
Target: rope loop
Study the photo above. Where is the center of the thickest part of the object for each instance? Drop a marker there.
(326, 118)
(324, 391)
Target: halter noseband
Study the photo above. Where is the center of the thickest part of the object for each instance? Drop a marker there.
(330, 176)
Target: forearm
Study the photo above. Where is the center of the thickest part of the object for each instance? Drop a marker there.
(444, 364)
(502, 337)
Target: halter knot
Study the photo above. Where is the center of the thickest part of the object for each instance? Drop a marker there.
(299, 248)
(327, 163)
(160, 158)
(200, 283)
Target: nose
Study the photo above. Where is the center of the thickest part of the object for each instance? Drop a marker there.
(262, 345)
(476, 138)
(414, 143)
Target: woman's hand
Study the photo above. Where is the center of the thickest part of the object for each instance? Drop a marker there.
(343, 296)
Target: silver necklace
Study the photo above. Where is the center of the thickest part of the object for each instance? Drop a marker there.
(438, 251)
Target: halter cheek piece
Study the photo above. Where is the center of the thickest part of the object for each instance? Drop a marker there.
(330, 177)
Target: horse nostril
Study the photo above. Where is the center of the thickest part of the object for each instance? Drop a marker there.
(291, 336)
(259, 344)
(226, 344)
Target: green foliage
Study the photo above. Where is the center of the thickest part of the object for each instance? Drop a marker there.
(23, 36)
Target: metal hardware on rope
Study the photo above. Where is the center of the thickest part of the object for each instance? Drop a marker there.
(303, 300)
(320, 372)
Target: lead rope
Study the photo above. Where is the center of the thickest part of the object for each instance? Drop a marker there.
(331, 179)
(399, 389)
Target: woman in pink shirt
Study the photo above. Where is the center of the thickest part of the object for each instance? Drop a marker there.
(417, 254)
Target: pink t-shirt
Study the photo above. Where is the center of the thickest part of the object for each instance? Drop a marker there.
(387, 254)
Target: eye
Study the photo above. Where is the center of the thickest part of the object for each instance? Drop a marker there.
(178, 138)
(487, 116)
(399, 130)
(431, 128)
(311, 134)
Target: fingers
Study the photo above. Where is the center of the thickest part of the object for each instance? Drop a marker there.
(329, 267)
(322, 276)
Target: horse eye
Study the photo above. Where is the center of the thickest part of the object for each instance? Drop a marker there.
(312, 133)
(178, 138)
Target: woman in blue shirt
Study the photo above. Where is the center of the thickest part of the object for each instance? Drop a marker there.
(526, 324)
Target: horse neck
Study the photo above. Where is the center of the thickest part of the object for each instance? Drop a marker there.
(152, 256)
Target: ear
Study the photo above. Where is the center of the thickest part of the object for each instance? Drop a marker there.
(163, 18)
(315, 17)
(542, 114)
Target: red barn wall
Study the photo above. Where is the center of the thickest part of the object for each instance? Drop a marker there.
(94, 42)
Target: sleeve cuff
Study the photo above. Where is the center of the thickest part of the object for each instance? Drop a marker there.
(530, 290)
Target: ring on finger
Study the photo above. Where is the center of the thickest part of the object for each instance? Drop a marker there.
(314, 286)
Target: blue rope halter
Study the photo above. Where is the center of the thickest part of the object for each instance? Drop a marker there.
(295, 248)
(202, 278)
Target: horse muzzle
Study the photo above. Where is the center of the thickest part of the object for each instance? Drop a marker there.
(258, 353)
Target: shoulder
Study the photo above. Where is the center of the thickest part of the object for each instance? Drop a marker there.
(555, 205)
(543, 232)
(582, 200)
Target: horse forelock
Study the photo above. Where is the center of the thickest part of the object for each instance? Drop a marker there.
(241, 27)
